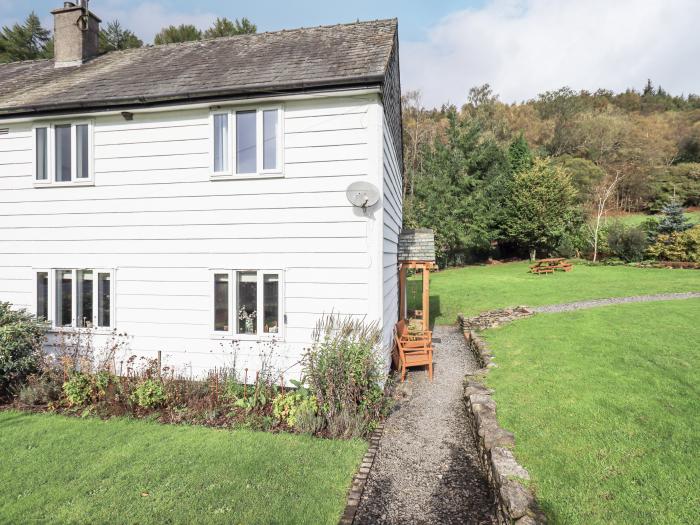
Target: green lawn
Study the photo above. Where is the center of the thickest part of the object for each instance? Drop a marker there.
(635, 219)
(605, 404)
(66, 470)
(473, 289)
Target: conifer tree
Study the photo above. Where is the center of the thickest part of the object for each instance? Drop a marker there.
(27, 41)
(519, 155)
(114, 37)
(673, 220)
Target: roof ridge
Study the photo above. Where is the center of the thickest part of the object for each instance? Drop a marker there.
(30, 61)
(252, 35)
(219, 39)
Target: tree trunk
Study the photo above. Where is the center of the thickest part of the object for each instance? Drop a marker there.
(533, 254)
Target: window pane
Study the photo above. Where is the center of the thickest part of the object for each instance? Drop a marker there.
(221, 302)
(64, 297)
(42, 295)
(81, 151)
(246, 151)
(271, 303)
(270, 139)
(103, 299)
(220, 143)
(63, 164)
(85, 294)
(41, 154)
(247, 298)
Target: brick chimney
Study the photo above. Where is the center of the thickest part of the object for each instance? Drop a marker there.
(75, 34)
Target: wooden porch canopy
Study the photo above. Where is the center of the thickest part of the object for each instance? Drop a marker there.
(416, 252)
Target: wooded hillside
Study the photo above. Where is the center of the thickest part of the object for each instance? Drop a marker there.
(631, 152)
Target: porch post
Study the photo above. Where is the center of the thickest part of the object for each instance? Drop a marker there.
(426, 297)
(402, 292)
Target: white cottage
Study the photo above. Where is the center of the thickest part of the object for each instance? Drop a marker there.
(195, 194)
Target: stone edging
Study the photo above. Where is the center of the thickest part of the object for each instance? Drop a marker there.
(360, 479)
(515, 503)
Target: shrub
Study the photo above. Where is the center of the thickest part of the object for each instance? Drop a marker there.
(344, 373)
(149, 394)
(39, 390)
(295, 408)
(678, 246)
(21, 339)
(78, 389)
(626, 242)
(83, 388)
(233, 390)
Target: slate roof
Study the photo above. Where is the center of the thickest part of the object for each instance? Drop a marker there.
(263, 63)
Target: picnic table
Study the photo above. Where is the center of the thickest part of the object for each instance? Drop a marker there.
(544, 266)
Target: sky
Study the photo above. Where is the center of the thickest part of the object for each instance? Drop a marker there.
(519, 47)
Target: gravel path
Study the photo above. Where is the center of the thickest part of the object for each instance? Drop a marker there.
(426, 469)
(580, 305)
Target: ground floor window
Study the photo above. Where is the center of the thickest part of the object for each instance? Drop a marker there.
(77, 298)
(247, 302)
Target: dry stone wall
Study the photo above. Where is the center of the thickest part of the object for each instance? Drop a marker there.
(515, 502)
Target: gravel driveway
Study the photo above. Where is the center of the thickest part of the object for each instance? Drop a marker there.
(426, 469)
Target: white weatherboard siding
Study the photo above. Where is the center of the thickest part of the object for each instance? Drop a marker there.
(156, 218)
(392, 189)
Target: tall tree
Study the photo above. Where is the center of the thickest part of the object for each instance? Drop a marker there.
(175, 34)
(27, 41)
(541, 207)
(114, 37)
(447, 191)
(225, 27)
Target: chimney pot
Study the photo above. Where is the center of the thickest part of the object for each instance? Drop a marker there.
(75, 35)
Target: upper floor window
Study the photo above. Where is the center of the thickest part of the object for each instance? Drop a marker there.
(246, 142)
(63, 153)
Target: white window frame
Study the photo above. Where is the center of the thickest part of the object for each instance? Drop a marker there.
(230, 173)
(74, 283)
(232, 332)
(50, 180)
(35, 299)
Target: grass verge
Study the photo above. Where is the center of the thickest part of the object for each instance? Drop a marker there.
(605, 407)
(67, 470)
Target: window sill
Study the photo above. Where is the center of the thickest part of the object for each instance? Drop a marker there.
(73, 330)
(63, 184)
(221, 336)
(246, 176)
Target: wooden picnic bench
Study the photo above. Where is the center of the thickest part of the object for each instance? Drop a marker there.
(550, 265)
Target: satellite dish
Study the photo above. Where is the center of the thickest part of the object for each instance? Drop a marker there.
(362, 194)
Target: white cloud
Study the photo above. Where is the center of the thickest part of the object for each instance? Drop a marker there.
(147, 18)
(525, 47)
